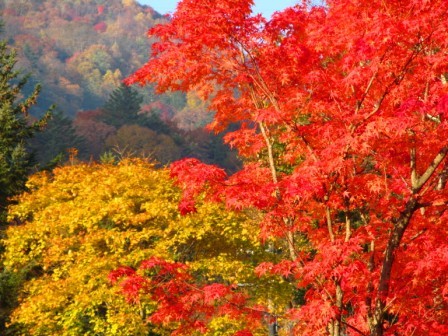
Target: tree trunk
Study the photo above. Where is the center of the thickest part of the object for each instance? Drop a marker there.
(399, 228)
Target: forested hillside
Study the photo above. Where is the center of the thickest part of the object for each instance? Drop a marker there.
(79, 50)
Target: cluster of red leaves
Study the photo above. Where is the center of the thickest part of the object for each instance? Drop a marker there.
(194, 177)
(100, 27)
(343, 114)
(182, 305)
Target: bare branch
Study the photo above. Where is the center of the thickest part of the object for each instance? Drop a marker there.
(426, 94)
(443, 177)
(310, 149)
(414, 176)
(329, 224)
(348, 231)
(270, 152)
(292, 250)
(430, 170)
(354, 328)
(369, 85)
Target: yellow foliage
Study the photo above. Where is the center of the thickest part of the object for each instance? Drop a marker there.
(128, 3)
(195, 114)
(80, 222)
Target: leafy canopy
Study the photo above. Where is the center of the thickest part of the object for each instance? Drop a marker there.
(342, 114)
(79, 223)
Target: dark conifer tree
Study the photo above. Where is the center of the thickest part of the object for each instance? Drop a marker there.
(122, 107)
(16, 128)
(52, 145)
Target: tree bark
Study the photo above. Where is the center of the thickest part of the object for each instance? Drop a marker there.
(398, 230)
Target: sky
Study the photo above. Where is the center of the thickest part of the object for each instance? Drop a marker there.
(265, 7)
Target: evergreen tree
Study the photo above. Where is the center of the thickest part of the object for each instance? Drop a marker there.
(154, 122)
(51, 146)
(16, 129)
(122, 107)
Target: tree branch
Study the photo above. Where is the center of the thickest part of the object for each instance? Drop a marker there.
(348, 231)
(329, 223)
(413, 163)
(353, 328)
(369, 85)
(443, 176)
(430, 170)
(270, 152)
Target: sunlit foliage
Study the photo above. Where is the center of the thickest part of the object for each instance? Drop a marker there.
(79, 223)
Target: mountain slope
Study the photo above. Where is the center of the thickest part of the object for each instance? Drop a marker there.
(79, 50)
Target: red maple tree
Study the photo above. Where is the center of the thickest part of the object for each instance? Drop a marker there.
(342, 114)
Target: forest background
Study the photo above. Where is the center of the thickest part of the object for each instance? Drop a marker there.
(80, 51)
